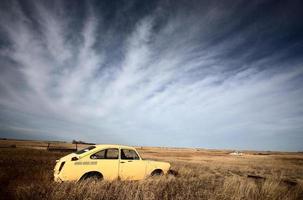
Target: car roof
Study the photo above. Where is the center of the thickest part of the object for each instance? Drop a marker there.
(113, 146)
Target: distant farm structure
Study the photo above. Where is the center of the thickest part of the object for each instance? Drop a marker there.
(236, 153)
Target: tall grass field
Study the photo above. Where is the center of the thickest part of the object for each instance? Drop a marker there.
(26, 172)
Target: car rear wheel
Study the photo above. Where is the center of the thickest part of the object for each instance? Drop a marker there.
(92, 176)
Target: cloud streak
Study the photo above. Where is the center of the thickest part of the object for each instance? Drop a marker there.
(206, 75)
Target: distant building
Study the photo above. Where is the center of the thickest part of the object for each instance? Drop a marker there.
(236, 153)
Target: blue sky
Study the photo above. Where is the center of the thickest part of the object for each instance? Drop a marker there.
(210, 74)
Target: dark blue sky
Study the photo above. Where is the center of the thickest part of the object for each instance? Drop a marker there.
(213, 74)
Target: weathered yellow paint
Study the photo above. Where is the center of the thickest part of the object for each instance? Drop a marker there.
(132, 170)
(77, 165)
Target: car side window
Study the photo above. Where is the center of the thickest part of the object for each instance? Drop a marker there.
(127, 154)
(112, 154)
(106, 154)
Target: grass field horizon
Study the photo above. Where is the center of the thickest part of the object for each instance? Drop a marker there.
(43, 143)
(26, 172)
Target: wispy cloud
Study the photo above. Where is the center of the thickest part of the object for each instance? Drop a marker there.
(194, 76)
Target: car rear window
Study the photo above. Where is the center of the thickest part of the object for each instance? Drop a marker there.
(106, 154)
(85, 150)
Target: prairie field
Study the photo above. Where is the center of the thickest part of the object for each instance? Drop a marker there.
(26, 172)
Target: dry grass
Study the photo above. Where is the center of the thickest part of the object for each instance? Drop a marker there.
(27, 174)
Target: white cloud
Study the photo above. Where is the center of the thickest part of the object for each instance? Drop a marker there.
(166, 85)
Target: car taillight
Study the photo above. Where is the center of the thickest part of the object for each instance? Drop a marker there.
(61, 166)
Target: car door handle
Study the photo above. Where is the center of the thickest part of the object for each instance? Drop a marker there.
(122, 162)
(130, 161)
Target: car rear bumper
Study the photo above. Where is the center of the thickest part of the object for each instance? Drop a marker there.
(57, 178)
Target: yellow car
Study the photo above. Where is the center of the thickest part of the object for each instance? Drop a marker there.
(108, 162)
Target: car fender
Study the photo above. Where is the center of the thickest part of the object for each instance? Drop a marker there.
(154, 165)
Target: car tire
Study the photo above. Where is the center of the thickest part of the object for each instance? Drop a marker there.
(92, 177)
(157, 172)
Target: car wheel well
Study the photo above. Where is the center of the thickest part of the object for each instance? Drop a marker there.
(92, 174)
(157, 172)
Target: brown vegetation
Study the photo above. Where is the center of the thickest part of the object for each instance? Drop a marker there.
(26, 173)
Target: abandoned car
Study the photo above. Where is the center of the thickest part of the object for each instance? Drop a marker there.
(108, 162)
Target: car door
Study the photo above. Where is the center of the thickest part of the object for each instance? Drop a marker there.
(107, 163)
(132, 167)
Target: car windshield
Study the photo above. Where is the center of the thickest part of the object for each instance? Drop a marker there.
(85, 150)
